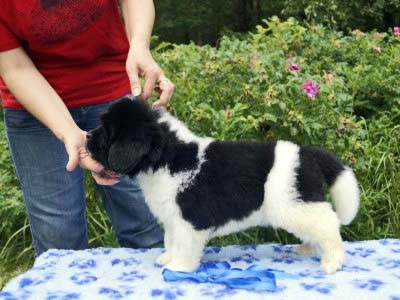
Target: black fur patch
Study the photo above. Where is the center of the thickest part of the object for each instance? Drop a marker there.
(310, 180)
(178, 156)
(330, 166)
(316, 168)
(230, 185)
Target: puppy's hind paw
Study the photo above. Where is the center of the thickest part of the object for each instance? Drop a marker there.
(163, 259)
(305, 249)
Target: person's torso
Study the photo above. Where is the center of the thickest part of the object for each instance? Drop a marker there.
(79, 46)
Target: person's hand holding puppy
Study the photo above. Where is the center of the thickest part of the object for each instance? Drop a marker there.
(75, 144)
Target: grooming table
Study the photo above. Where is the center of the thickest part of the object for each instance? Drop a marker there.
(371, 271)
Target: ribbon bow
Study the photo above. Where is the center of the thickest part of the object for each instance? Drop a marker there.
(255, 277)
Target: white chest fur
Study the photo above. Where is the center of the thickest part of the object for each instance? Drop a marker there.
(160, 189)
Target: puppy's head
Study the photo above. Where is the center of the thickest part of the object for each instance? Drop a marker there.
(129, 138)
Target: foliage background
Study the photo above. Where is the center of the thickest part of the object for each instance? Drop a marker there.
(237, 85)
(205, 21)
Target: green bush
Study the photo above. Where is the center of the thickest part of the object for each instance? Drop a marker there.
(206, 21)
(343, 14)
(244, 89)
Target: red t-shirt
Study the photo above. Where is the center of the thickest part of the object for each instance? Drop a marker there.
(79, 46)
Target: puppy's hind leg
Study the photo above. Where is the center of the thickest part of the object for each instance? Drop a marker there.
(187, 247)
(317, 224)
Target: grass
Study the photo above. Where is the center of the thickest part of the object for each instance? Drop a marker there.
(16, 255)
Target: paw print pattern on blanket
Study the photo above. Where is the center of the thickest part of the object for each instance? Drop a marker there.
(312, 274)
(282, 248)
(211, 250)
(62, 296)
(371, 272)
(28, 281)
(354, 269)
(119, 292)
(83, 264)
(370, 284)
(217, 292)
(131, 276)
(58, 253)
(125, 262)
(389, 263)
(360, 251)
(320, 287)
(286, 260)
(100, 251)
(247, 258)
(167, 294)
(83, 278)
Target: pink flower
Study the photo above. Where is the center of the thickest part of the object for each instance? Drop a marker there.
(396, 31)
(294, 67)
(311, 89)
(378, 49)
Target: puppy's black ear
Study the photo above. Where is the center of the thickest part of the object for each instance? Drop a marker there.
(126, 154)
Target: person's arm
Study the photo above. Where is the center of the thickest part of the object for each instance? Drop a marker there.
(139, 20)
(34, 93)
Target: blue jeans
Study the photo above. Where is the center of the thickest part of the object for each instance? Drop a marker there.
(55, 198)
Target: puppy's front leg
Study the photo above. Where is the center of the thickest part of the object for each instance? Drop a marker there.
(187, 247)
(165, 257)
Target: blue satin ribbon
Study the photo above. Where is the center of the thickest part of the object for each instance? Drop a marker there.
(255, 277)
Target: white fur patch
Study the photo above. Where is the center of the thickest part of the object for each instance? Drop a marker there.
(346, 196)
(182, 132)
(255, 219)
(280, 188)
(160, 190)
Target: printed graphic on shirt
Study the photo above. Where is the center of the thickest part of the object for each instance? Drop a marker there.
(59, 20)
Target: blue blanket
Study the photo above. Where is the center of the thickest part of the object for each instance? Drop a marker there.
(371, 271)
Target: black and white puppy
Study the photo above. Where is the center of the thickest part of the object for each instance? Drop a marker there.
(200, 188)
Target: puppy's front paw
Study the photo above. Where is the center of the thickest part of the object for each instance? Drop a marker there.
(332, 264)
(330, 267)
(163, 259)
(181, 267)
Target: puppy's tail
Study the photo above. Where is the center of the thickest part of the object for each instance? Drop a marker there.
(342, 185)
